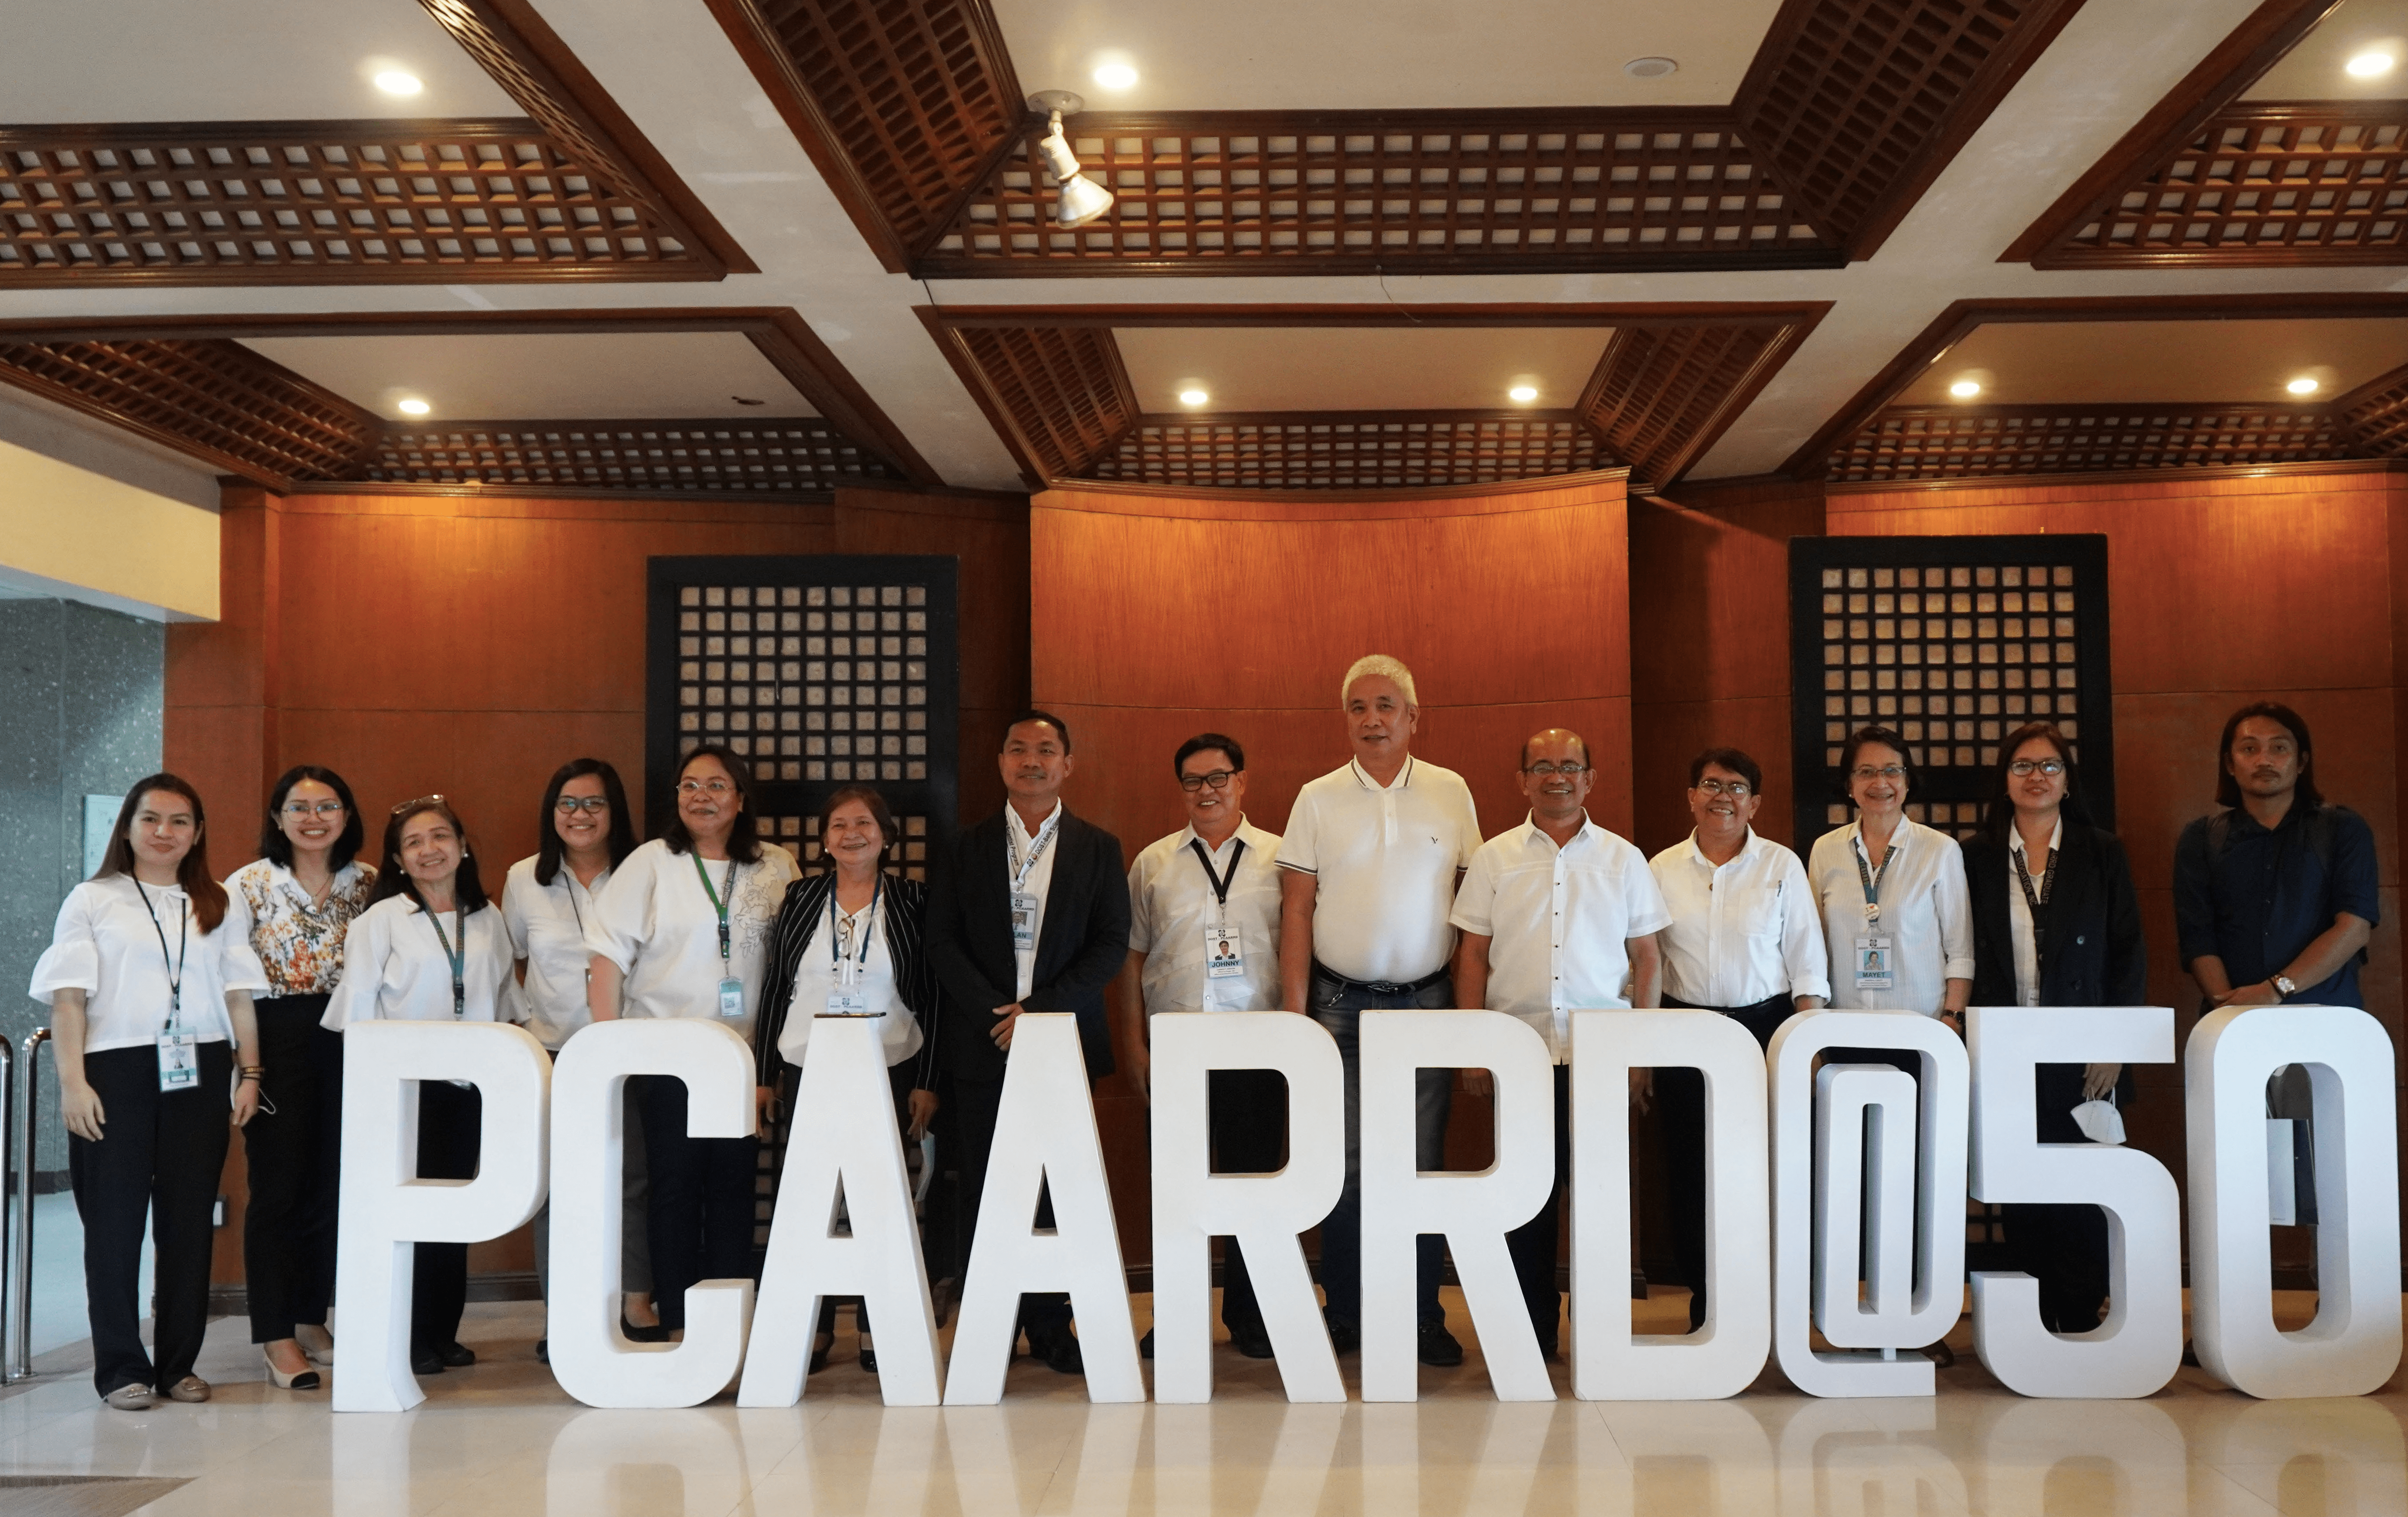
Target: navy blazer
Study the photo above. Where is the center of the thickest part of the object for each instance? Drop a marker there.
(2091, 952)
(1080, 945)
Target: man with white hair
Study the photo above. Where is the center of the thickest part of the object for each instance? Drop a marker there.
(1369, 867)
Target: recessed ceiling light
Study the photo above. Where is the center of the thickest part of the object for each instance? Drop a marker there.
(2304, 386)
(394, 82)
(1115, 75)
(1649, 69)
(1965, 389)
(1524, 392)
(1193, 397)
(414, 407)
(2366, 65)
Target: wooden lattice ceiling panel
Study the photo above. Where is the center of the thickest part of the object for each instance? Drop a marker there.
(321, 202)
(2376, 415)
(707, 457)
(1265, 191)
(1058, 394)
(904, 105)
(1983, 441)
(1351, 451)
(1663, 393)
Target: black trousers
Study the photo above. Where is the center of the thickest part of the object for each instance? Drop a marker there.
(969, 1136)
(1532, 1245)
(450, 1124)
(700, 1215)
(2063, 1247)
(158, 1157)
(294, 1149)
(1681, 1126)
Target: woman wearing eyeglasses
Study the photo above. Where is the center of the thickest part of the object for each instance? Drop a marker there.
(849, 942)
(545, 902)
(683, 930)
(149, 1000)
(293, 907)
(429, 949)
(2055, 923)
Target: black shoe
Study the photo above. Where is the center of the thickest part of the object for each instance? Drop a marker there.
(819, 1351)
(1255, 1344)
(543, 1351)
(656, 1333)
(1145, 1345)
(1344, 1337)
(1060, 1350)
(1941, 1354)
(1438, 1348)
(456, 1355)
(429, 1362)
(869, 1360)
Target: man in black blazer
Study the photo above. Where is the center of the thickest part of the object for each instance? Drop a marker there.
(1028, 911)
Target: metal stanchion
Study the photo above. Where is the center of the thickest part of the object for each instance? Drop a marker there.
(10, 1189)
(19, 1363)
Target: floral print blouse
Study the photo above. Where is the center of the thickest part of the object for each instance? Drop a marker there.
(298, 941)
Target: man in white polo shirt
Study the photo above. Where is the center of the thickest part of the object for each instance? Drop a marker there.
(1558, 915)
(1746, 941)
(1370, 861)
(1204, 931)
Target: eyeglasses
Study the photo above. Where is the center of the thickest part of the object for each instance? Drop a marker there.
(571, 805)
(1892, 772)
(1544, 770)
(2024, 768)
(298, 810)
(1738, 790)
(421, 801)
(1218, 780)
(704, 787)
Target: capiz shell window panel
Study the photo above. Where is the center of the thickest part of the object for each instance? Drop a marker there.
(822, 671)
(1954, 642)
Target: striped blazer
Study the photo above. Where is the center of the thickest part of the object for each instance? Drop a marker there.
(905, 911)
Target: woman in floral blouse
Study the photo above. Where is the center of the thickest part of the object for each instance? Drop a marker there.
(293, 907)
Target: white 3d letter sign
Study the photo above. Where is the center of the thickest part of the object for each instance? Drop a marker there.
(2139, 1347)
(1609, 1361)
(1261, 1213)
(1475, 1211)
(2353, 1345)
(385, 1208)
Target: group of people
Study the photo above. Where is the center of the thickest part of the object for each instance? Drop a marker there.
(227, 1013)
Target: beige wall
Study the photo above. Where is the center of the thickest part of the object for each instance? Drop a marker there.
(68, 532)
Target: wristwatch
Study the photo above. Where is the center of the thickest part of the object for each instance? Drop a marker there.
(2284, 986)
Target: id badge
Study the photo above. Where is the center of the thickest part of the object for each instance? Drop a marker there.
(179, 1068)
(847, 1003)
(1874, 970)
(731, 998)
(1225, 953)
(1024, 922)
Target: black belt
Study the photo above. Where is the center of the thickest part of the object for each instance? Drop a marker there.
(1380, 987)
(1780, 1001)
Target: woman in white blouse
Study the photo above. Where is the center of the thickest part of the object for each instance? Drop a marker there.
(850, 942)
(293, 907)
(150, 1002)
(430, 949)
(587, 832)
(683, 930)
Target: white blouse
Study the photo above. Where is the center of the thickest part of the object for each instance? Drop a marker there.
(547, 928)
(815, 977)
(395, 969)
(1926, 913)
(656, 923)
(108, 945)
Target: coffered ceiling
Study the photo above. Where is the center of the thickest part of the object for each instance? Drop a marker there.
(1355, 226)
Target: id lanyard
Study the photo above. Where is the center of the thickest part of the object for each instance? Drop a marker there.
(179, 1069)
(457, 958)
(568, 882)
(1872, 880)
(731, 990)
(2036, 904)
(845, 998)
(1224, 953)
(1874, 968)
(1024, 904)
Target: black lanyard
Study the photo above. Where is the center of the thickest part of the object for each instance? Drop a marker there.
(458, 958)
(836, 956)
(716, 904)
(1871, 881)
(1221, 883)
(183, 941)
(2036, 904)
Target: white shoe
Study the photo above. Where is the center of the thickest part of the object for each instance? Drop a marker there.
(131, 1398)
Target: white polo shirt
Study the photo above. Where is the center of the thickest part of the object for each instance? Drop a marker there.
(1386, 861)
(1558, 920)
(1171, 903)
(1925, 912)
(1742, 932)
(547, 928)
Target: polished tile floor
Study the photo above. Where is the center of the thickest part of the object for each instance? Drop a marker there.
(501, 1439)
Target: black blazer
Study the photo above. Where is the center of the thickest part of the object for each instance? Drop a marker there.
(1080, 945)
(904, 913)
(2091, 952)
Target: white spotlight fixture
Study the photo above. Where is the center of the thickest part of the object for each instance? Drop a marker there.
(1081, 199)
(1965, 389)
(1524, 392)
(1116, 76)
(394, 82)
(1194, 397)
(2304, 386)
(2367, 66)
(413, 407)
(1649, 69)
